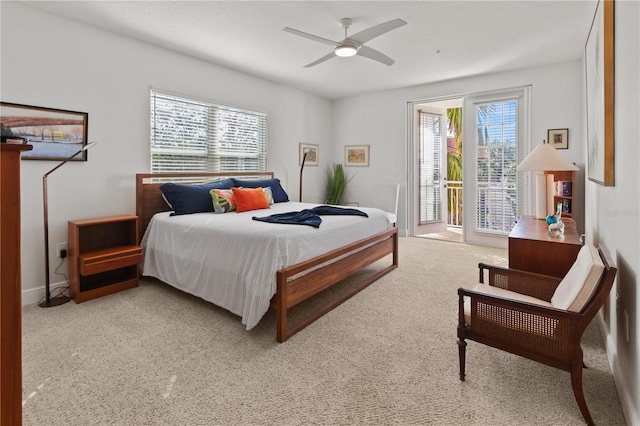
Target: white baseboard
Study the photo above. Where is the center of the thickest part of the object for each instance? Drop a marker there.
(629, 408)
(35, 295)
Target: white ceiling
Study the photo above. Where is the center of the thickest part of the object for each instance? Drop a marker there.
(443, 40)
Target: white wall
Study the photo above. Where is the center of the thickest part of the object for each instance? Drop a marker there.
(613, 213)
(54, 62)
(379, 119)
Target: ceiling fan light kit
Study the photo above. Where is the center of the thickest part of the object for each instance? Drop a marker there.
(345, 51)
(354, 45)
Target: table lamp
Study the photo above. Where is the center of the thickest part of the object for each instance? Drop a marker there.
(60, 299)
(544, 157)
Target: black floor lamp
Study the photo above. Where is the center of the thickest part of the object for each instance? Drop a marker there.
(58, 300)
(304, 158)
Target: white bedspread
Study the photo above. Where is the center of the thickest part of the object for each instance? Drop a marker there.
(231, 260)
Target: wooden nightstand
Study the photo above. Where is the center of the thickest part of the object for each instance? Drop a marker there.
(103, 256)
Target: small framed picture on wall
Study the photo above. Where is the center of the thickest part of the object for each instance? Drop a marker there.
(356, 155)
(312, 154)
(558, 138)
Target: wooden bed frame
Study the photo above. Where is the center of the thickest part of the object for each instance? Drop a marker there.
(295, 283)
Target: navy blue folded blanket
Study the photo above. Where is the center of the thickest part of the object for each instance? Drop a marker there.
(310, 217)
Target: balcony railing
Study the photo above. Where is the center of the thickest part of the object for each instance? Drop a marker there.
(454, 203)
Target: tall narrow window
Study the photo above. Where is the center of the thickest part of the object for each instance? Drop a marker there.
(497, 185)
(189, 135)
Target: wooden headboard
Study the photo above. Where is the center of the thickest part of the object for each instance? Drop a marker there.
(149, 199)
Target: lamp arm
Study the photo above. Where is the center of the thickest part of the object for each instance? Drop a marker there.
(84, 148)
(60, 165)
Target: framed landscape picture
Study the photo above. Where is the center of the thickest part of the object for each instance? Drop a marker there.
(55, 134)
(312, 154)
(599, 77)
(356, 155)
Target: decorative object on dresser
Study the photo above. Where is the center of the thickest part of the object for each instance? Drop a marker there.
(544, 158)
(54, 133)
(60, 299)
(103, 256)
(556, 225)
(13, 140)
(10, 286)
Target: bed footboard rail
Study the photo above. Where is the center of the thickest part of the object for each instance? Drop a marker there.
(299, 282)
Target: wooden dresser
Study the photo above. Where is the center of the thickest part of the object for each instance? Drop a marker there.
(532, 249)
(10, 286)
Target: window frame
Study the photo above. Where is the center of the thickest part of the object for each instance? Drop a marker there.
(205, 154)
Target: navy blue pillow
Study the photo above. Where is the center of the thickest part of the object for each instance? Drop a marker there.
(189, 198)
(279, 195)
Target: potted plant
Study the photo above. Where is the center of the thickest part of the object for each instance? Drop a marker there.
(336, 182)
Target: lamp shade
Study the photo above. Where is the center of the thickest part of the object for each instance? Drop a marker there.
(545, 157)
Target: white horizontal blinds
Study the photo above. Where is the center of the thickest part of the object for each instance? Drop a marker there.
(179, 134)
(497, 183)
(190, 135)
(240, 137)
(430, 168)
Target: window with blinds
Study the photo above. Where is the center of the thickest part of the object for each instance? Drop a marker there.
(497, 157)
(189, 135)
(430, 168)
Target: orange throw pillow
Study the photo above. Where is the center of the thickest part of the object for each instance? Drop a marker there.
(249, 199)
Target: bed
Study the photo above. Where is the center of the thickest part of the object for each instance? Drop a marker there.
(247, 266)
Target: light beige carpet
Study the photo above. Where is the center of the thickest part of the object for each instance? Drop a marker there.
(156, 356)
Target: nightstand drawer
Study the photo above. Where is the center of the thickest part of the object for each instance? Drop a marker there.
(109, 259)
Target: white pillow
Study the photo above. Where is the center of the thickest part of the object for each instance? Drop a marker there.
(577, 287)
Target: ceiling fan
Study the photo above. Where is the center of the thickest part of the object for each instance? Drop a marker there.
(354, 45)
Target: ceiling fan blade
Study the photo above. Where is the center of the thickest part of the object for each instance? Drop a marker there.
(373, 32)
(311, 36)
(321, 60)
(370, 53)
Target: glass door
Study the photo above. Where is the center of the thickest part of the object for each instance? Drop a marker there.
(431, 167)
(496, 129)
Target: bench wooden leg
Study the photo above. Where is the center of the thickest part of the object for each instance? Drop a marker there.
(462, 350)
(576, 384)
(281, 309)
